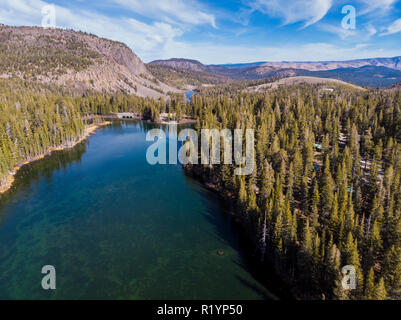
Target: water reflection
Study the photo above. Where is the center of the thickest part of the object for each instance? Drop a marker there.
(44, 168)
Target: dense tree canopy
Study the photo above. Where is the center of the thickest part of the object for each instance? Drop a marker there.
(327, 189)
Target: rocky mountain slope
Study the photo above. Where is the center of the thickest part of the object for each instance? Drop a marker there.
(76, 60)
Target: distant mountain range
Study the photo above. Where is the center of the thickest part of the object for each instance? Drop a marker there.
(392, 63)
(242, 65)
(377, 72)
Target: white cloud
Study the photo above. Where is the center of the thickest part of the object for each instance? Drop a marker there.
(371, 30)
(355, 35)
(150, 36)
(338, 30)
(376, 5)
(174, 11)
(292, 11)
(395, 27)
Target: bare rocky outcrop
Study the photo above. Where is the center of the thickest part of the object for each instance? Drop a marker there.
(76, 60)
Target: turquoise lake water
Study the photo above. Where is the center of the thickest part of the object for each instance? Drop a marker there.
(189, 94)
(115, 227)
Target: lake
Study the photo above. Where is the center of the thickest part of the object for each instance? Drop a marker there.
(189, 94)
(115, 227)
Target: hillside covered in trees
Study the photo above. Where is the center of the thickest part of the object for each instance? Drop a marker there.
(180, 77)
(76, 60)
(326, 191)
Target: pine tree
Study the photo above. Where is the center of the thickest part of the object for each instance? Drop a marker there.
(327, 190)
(380, 290)
(370, 285)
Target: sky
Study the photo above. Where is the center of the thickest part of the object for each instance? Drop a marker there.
(228, 31)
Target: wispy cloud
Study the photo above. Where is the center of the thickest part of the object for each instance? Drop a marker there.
(376, 5)
(355, 35)
(338, 30)
(393, 28)
(371, 30)
(293, 11)
(159, 33)
(174, 11)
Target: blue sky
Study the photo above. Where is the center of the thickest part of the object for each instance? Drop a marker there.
(228, 31)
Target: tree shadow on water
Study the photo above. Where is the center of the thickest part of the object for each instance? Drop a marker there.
(232, 234)
(41, 170)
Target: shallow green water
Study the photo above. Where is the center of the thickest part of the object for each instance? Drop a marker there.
(115, 227)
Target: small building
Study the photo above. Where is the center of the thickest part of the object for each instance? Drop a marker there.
(126, 115)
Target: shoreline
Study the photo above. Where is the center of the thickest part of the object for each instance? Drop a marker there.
(286, 289)
(141, 118)
(88, 131)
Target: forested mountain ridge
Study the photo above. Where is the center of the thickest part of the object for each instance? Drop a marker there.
(379, 72)
(368, 76)
(188, 64)
(325, 84)
(76, 60)
(182, 78)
